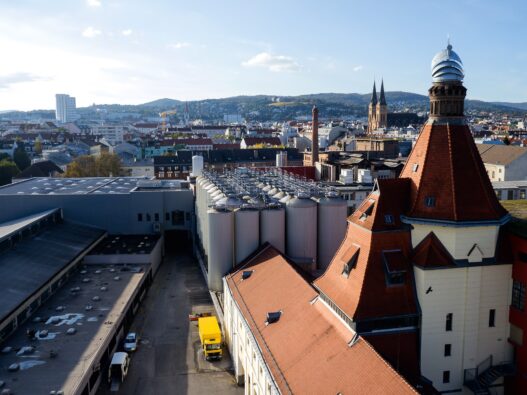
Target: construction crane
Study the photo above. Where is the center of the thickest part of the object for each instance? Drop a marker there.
(164, 116)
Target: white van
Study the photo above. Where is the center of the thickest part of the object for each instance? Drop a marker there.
(118, 370)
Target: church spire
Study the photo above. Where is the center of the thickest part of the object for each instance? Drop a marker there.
(382, 100)
(374, 95)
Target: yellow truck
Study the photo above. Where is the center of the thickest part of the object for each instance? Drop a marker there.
(210, 336)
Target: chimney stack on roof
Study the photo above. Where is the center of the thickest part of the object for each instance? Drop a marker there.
(314, 136)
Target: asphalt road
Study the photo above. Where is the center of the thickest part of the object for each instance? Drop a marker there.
(168, 359)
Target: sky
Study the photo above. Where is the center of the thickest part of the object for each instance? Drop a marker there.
(135, 51)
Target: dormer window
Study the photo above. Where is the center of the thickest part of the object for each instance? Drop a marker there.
(368, 210)
(430, 201)
(415, 167)
(395, 264)
(350, 258)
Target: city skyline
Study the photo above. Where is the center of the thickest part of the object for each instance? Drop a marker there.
(106, 51)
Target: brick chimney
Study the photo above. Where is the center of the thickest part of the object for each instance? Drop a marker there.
(314, 137)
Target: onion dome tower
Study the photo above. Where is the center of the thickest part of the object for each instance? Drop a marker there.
(448, 179)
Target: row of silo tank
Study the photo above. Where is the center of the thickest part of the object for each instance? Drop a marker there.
(315, 229)
(309, 230)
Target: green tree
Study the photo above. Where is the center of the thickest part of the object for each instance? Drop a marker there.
(38, 147)
(90, 166)
(20, 157)
(8, 170)
(108, 165)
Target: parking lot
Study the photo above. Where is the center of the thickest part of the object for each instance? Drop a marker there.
(168, 359)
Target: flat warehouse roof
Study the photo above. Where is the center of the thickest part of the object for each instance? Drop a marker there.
(93, 320)
(71, 186)
(88, 185)
(27, 266)
(7, 228)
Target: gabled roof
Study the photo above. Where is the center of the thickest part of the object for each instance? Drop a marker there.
(445, 165)
(307, 350)
(40, 169)
(430, 253)
(500, 154)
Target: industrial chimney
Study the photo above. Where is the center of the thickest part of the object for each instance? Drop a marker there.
(314, 137)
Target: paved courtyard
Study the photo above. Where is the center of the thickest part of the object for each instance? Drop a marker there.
(169, 360)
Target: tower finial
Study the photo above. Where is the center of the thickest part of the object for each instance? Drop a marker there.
(449, 46)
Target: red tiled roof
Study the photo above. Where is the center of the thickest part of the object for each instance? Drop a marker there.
(307, 350)
(431, 253)
(371, 214)
(445, 164)
(364, 293)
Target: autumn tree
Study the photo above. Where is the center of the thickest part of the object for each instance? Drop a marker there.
(38, 147)
(104, 165)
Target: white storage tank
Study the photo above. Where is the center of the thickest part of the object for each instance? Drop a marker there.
(220, 246)
(197, 165)
(281, 159)
(247, 232)
(301, 231)
(332, 223)
(272, 226)
(288, 196)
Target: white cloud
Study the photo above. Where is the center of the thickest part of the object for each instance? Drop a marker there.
(127, 32)
(275, 63)
(93, 3)
(7, 80)
(91, 32)
(179, 45)
(358, 68)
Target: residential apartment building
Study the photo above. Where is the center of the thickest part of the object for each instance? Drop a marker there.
(504, 162)
(66, 108)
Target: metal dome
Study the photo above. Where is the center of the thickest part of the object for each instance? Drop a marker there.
(447, 66)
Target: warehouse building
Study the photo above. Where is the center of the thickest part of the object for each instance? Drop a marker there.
(70, 295)
(123, 205)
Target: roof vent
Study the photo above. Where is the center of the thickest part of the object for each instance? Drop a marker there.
(354, 340)
(246, 274)
(273, 317)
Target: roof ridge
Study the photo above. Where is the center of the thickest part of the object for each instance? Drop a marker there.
(452, 174)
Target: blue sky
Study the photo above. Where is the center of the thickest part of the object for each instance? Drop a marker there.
(133, 51)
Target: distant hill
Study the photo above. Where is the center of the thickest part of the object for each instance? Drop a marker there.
(277, 108)
(521, 106)
(167, 103)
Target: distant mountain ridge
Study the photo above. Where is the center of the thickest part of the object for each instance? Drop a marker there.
(276, 107)
(394, 98)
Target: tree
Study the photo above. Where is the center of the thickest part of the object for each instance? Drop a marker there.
(38, 147)
(108, 165)
(20, 157)
(8, 170)
(89, 166)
